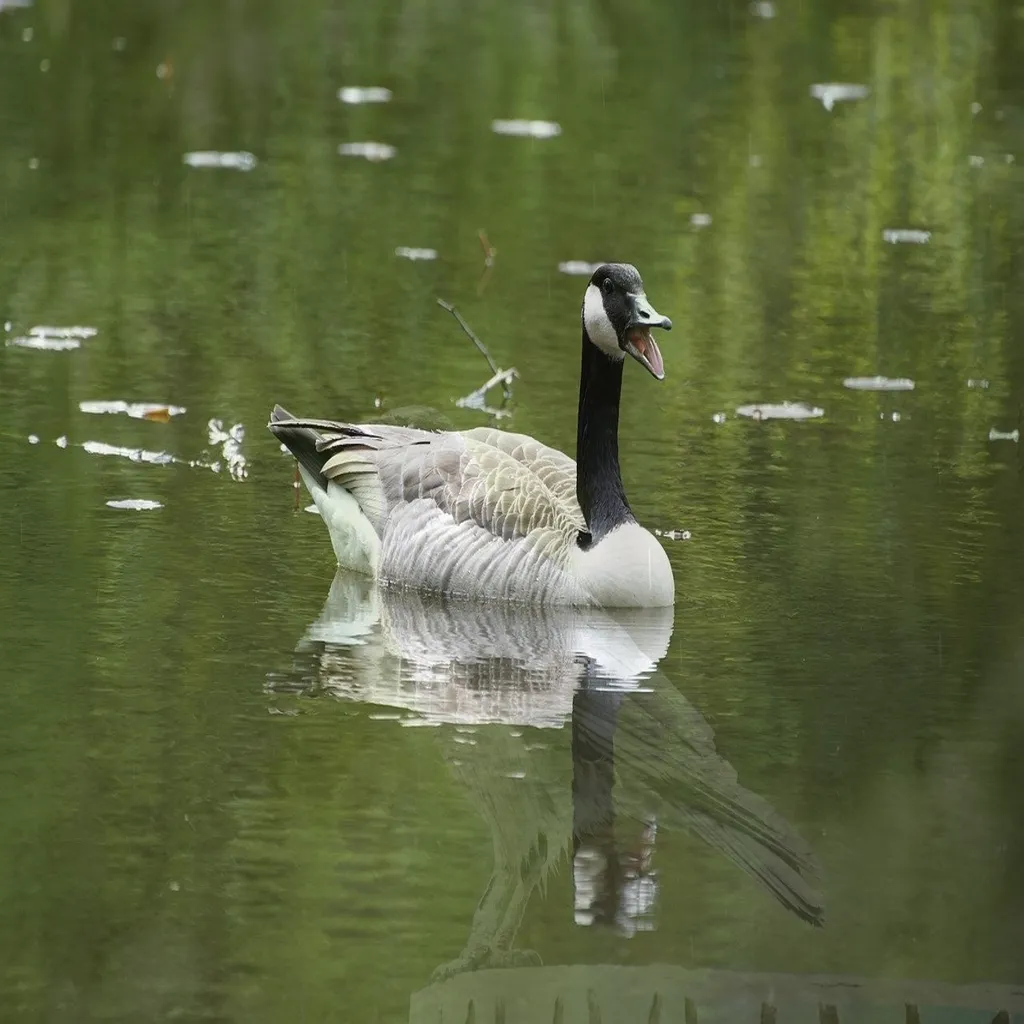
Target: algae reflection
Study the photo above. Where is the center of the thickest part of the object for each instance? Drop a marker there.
(642, 757)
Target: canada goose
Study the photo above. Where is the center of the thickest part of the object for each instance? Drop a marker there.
(488, 514)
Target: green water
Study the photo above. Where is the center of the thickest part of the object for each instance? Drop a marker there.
(207, 814)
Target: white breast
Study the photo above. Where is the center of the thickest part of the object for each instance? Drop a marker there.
(626, 569)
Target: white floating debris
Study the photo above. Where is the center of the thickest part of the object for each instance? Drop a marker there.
(313, 509)
(63, 332)
(755, 160)
(134, 454)
(242, 161)
(44, 64)
(1004, 435)
(44, 343)
(136, 410)
(578, 268)
(673, 534)
(1010, 158)
(700, 220)
(373, 151)
(119, 43)
(718, 417)
(163, 71)
(62, 441)
(230, 441)
(763, 9)
(33, 163)
(975, 161)
(53, 339)
(975, 108)
(26, 34)
(529, 129)
(879, 384)
(779, 411)
(409, 253)
(7, 327)
(978, 383)
(364, 94)
(831, 93)
(33, 439)
(134, 504)
(894, 236)
(515, 775)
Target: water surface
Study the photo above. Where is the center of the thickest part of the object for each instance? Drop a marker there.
(237, 788)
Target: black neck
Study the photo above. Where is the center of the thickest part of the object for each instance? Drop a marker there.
(598, 480)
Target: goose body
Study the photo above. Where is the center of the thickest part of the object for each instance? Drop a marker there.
(489, 514)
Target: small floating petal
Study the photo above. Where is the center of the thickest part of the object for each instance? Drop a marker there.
(718, 417)
(879, 384)
(831, 93)
(153, 411)
(910, 236)
(373, 151)
(62, 441)
(780, 411)
(364, 94)
(33, 439)
(700, 220)
(409, 253)
(763, 9)
(528, 129)
(241, 161)
(978, 383)
(134, 504)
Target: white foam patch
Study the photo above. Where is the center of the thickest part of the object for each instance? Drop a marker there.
(235, 161)
(831, 93)
(528, 129)
(134, 504)
(780, 411)
(355, 94)
(906, 236)
(578, 268)
(372, 151)
(879, 384)
(409, 253)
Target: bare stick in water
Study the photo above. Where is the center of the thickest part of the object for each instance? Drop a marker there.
(469, 333)
(498, 375)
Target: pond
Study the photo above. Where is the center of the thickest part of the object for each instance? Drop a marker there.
(240, 786)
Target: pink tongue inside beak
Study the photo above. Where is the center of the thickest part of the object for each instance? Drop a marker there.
(640, 338)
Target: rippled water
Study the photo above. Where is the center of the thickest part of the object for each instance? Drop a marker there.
(238, 787)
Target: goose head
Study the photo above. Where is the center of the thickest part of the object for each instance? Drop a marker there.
(618, 317)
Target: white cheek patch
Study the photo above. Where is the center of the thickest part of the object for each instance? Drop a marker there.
(598, 326)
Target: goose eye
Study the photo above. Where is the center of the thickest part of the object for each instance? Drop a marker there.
(607, 287)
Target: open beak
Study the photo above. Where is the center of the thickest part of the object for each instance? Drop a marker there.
(638, 341)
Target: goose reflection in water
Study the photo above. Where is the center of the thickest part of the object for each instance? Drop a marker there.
(643, 758)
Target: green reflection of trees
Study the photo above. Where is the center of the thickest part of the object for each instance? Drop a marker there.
(847, 583)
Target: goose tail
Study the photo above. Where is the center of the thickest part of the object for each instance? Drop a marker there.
(346, 493)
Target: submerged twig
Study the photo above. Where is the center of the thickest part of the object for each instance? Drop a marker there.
(469, 333)
(475, 399)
